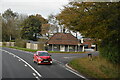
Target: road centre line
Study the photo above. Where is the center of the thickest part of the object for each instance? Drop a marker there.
(24, 62)
(35, 76)
(57, 61)
(25, 65)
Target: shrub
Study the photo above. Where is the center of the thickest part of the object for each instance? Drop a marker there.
(12, 40)
(4, 44)
(20, 43)
(109, 49)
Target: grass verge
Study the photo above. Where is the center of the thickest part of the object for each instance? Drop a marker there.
(24, 49)
(96, 68)
(32, 50)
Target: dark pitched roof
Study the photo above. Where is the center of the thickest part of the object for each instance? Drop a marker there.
(63, 38)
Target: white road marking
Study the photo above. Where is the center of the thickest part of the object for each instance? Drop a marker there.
(74, 72)
(34, 74)
(36, 77)
(67, 57)
(57, 61)
(24, 62)
(25, 65)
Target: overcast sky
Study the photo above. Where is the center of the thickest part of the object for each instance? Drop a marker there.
(43, 7)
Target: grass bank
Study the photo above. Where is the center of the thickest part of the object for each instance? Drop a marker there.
(24, 49)
(31, 50)
(96, 68)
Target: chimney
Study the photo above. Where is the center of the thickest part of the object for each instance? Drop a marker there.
(82, 40)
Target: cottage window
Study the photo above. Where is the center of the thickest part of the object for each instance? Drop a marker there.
(70, 47)
(86, 45)
(55, 46)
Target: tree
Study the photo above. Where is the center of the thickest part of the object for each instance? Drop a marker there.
(31, 27)
(19, 21)
(54, 23)
(45, 29)
(95, 20)
(43, 20)
(8, 25)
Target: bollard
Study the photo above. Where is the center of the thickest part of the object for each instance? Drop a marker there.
(90, 56)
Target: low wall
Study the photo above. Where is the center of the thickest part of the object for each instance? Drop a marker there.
(28, 45)
(12, 44)
(32, 46)
(0, 43)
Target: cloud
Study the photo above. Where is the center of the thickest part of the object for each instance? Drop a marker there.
(43, 7)
(34, 0)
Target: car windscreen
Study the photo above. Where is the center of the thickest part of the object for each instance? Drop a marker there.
(43, 54)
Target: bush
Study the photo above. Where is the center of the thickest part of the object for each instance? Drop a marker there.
(12, 40)
(20, 43)
(109, 49)
(4, 44)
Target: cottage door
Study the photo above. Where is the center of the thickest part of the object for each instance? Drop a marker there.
(62, 48)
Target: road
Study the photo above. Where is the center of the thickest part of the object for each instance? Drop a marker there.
(18, 64)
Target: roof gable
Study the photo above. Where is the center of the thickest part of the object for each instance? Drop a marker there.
(63, 38)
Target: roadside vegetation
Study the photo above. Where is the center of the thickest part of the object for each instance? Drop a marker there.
(98, 67)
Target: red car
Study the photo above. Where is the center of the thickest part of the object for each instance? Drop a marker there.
(42, 57)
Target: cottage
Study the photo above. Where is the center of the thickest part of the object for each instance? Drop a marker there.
(63, 42)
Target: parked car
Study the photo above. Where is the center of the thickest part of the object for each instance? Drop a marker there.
(89, 50)
(42, 57)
